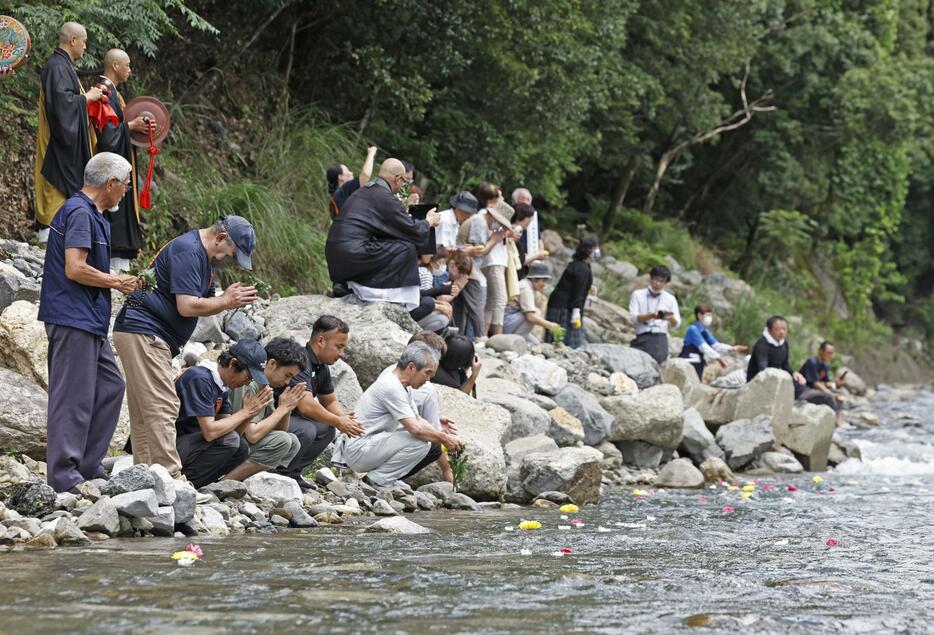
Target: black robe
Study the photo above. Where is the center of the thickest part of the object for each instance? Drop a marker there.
(125, 236)
(69, 145)
(374, 241)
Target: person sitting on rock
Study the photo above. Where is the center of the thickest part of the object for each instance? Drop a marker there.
(452, 369)
(816, 372)
(700, 344)
(522, 313)
(396, 442)
(207, 438)
(319, 415)
(470, 296)
(771, 351)
(372, 248)
(440, 296)
(654, 311)
(271, 444)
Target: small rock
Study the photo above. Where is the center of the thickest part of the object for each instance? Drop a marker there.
(274, 487)
(163, 523)
(745, 440)
(66, 532)
(324, 476)
(138, 503)
(716, 470)
(300, 517)
(31, 498)
(339, 488)
(328, 518)
(508, 342)
(164, 484)
(134, 478)
(382, 508)
(780, 463)
(397, 525)
(680, 473)
(278, 520)
(565, 428)
(88, 490)
(426, 501)
(185, 501)
(214, 523)
(120, 463)
(440, 490)
(461, 501)
(543, 503)
(226, 489)
(42, 541)
(100, 517)
(559, 498)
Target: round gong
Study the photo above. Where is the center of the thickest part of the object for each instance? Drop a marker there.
(15, 44)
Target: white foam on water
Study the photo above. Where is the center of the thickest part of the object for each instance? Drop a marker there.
(888, 465)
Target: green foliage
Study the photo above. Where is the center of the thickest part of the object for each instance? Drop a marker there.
(139, 24)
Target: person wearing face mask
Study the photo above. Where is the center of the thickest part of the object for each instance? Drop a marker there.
(155, 324)
(654, 311)
(699, 343)
(566, 303)
(85, 386)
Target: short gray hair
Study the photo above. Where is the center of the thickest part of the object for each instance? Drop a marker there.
(519, 190)
(420, 354)
(105, 166)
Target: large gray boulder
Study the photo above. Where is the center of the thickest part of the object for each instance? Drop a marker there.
(525, 418)
(698, 442)
(346, 386)
(31, 498)
(770, 393)
(137, 504)
(622, 359)
(652, 415)
(507, 342)
(607, 322)
(574, 471)
(745, 440)
(809, 434)
(482, 427)
(640, 453)
(379, 331)
(680, 473)
(133, 478)
(545, 376)
(586, 407)
(208, 329)
(396, 525)
(238, 326)
(515, 451)
(186, 498)
(24, 347)
(23, 408)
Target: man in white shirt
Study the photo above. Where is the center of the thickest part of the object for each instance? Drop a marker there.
(653, 311)
(396, 442)
(463, 207)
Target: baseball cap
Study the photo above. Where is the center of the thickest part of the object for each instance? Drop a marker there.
(243, 236)
(251, 354)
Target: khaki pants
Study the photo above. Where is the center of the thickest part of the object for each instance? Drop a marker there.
(151, 399)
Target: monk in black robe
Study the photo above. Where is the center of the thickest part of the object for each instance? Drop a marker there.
(373, 247)
(65, 141)
(126, 239)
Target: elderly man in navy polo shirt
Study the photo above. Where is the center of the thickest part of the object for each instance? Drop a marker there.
(154, 325)
(85, 386)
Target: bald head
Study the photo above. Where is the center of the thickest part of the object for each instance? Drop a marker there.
(73, 39)
(117, 66)
(393, 172)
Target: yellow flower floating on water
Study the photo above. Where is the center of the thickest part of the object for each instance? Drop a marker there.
(745, 495)
(749, 488)
(732, 488)
(530, 524)
(569, 509)
(817, 480)
(639, 492)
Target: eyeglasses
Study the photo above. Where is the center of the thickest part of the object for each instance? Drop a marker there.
(126, 184)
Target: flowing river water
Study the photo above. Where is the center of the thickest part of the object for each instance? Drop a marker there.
(670, 561)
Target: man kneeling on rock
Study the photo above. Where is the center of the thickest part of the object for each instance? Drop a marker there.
(271, 444)
(396, 442)
(207, 437)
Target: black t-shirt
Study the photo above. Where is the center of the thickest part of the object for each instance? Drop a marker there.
(814, 371)
(317, 376)
(341, 195)
(451, 378)
(199, 395)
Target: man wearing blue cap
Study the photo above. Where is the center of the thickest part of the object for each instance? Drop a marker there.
(208, 440)
(154, 325)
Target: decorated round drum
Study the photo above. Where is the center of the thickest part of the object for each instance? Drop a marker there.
(14, 43)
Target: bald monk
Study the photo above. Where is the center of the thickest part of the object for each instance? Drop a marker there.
(65, 141)
(373, 248)
(125, 236)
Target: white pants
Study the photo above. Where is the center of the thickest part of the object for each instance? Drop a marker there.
(385, 456)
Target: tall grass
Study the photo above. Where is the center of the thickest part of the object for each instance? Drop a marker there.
(281, 190)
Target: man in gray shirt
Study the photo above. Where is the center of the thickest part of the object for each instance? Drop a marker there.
(396, 442)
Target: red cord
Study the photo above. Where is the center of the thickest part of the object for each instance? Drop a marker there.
(145, 198)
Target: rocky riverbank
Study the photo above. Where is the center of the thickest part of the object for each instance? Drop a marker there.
(550, 425)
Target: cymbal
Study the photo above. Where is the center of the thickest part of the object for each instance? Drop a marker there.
(153, 109)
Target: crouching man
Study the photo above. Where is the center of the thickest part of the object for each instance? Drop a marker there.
(396, 442)
(207, 437)
(271, 444)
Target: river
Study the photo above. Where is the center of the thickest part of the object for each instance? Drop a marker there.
(670, 561)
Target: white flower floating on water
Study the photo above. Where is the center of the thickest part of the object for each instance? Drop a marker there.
(509, 528)
(564, 527)
(525, 552)
(650, 519)
(603, 530)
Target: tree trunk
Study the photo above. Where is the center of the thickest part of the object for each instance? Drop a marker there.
(619, 195)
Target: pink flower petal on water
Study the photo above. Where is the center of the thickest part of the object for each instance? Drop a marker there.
(831, 490)
(565, 550)
(577, 522)
(728, 510)
(702, 500)
(767, 488)
(792, 488)
(831, 542)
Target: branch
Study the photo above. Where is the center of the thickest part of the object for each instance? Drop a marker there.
(262, 27)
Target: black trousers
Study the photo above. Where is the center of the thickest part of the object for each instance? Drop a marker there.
(655, 344)
(313, 437)
(203, 462)
(434, 453)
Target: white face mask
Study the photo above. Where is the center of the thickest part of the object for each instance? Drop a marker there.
(707, 320)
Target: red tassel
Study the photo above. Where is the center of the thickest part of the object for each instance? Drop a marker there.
(145, 197)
